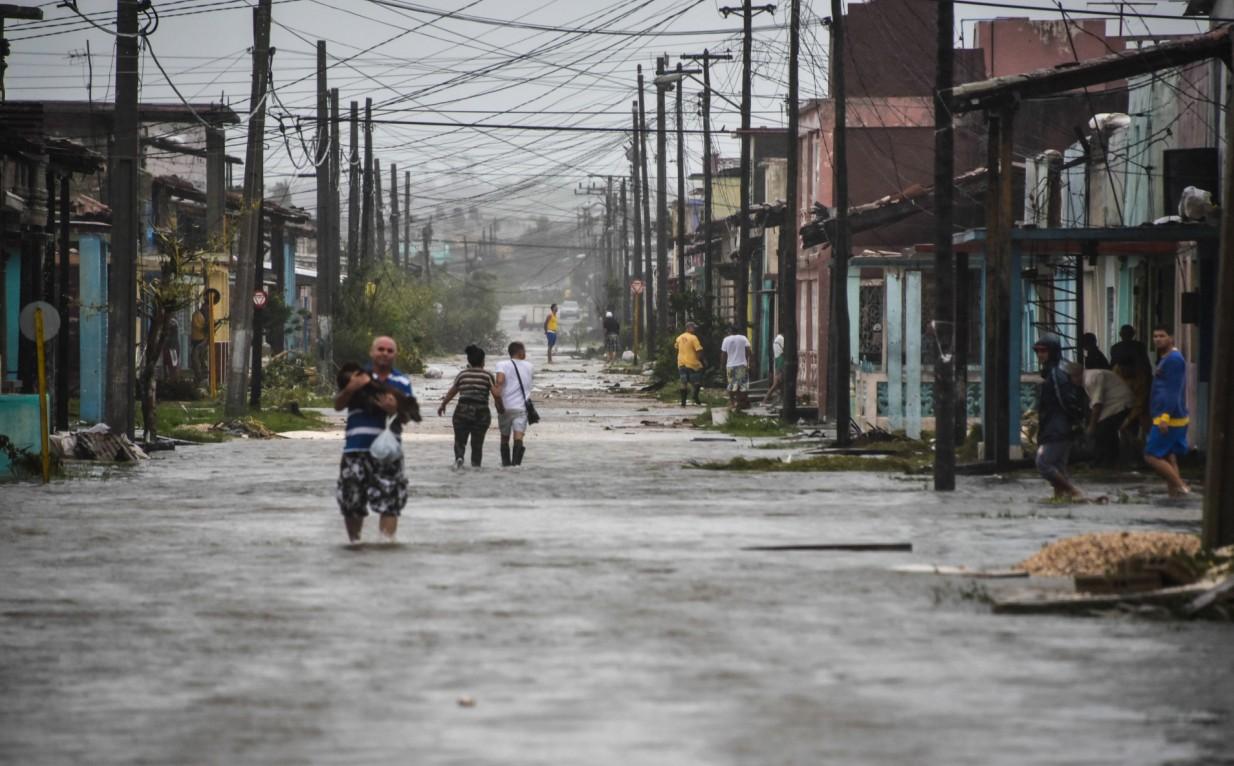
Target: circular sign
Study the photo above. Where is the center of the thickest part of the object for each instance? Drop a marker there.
(51, 320)
(259, 298)
(636, 286)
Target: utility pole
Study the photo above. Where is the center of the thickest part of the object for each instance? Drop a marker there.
(322, 170)
(743, 251)
(681, 188)
(379, 210)
(353, 194)
(636, 189)
(610, 234)
(366, 198)
(394, 249)
(840, 245)
(623, 295)
(250, 218)
(9, 11)
(62, 305)
(788, 228)
(649, 290)
(336, 218)
(259, 318)
(122, 276)
(407, 217)
(944, 259)
(427, 234)
(1218, 528)
(708, 266)
(661, 202)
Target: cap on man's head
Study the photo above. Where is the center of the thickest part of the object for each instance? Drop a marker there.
(691, 326)
(1047, 342)
(608, 314)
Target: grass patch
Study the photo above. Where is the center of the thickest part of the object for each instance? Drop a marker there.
(741, 424)
(671, 394)
(177, 420)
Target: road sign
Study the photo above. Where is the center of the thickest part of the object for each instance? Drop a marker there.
(636, 286)
(259, 298)
(51, 320)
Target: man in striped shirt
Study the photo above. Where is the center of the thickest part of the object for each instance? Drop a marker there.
(364, 483)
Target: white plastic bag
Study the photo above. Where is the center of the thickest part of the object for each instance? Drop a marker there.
(386, 448)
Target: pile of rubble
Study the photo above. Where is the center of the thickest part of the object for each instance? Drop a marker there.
(1102, 553)
(96, 443)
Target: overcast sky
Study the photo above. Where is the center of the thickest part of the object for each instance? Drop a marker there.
(485, 64)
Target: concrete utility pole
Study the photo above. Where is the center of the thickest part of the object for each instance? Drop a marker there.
(708, 265)
(407, 217)
(623, 296)
(380, 210)
(649, 290)
(250, 218)
(1218, 530)
(366, 199)
(661, 202)
(427, 234)
(789, 227)
(681, 188)
(321, 160)
(122, 276)
(9, 11)
(353, 194)
(636, 189)
(944, 261)
(62, 305)
(394, 249)
(840, 247)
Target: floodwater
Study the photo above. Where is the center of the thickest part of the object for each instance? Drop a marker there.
(595, 605)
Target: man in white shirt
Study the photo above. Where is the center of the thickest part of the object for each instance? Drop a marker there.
(514, 381)
(1109, 399)
(777, 376)
(735, 353)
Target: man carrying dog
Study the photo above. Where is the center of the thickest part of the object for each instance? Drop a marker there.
(365, 483)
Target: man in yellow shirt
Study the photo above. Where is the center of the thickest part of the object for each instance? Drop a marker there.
(689, 362)
(550, 330)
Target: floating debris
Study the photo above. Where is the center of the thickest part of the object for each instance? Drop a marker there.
(1101, 553)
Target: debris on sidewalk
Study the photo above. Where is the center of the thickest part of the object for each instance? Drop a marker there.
(96, 443)
(1102, 553)
(244, 427)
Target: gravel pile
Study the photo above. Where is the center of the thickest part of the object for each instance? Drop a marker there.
(1107, 552)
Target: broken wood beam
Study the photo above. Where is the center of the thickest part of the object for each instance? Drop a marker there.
(834, 547)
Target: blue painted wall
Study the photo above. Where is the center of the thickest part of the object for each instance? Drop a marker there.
(92, 328)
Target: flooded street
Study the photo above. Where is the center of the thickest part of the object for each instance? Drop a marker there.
(596, 604)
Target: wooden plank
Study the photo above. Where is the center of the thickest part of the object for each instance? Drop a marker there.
(833, 547)
(1221, 592)
(1078, 603)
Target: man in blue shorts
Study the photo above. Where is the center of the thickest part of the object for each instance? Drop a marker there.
(550, 330)
(365, 483)
(1167, 439)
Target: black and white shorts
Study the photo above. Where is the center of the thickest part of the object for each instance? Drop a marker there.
(364, 485)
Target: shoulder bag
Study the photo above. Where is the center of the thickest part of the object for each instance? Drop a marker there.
(533, 417)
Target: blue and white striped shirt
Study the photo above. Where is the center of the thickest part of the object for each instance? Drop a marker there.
(363, 427)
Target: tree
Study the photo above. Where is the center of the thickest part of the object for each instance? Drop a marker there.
(177, 287)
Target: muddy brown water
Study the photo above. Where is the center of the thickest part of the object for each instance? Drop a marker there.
(595, 604)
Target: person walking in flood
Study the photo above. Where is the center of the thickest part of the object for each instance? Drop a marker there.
(1167, 439)
(612, 337)
(514, 378)
(365, 483)
(1060, 406)
(473, 386)
(550, 330)
(689, 362)
(735, 355)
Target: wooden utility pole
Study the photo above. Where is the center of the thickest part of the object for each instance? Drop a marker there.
(336, 217)
(997, 406)
(321, 160)
(353, 194)
(366, 199)
(122, 276)
(681, 187)
(623, 296)
(661, 203)
(840, 247)
(789, 227)
(649, 290)
(379, 215)
(708, 262)
(395, 255)
(636, 190)
(944, 262)
(1218, 528)
(407, 218)
(241, 321)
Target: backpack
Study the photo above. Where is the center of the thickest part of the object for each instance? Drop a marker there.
(1073, 399)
